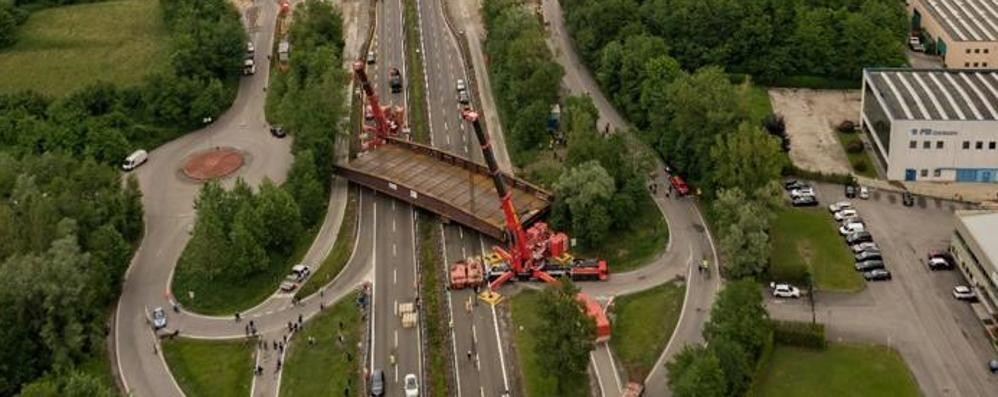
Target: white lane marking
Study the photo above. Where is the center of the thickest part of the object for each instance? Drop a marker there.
(466, 149)
(396, 307)
(448, 138)
(396, 338)
(474, 334)
(445, 125)
(613, 365)
(599, 380)
(395, 276)
(396, 373)
(464, 253)
(394, 249)
(481, 391)
(460, 231)
(502, 357)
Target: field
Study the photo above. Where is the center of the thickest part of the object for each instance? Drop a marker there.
(61, 49)
(643, 325)
(841, 370)
(805, 239)
(324, 369)
(211, 368)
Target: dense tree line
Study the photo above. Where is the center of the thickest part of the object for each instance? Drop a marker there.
(737, 333)
(599, 190)
(10, 17)
(768, 39)
(107, 122)
(67, 228)
(524, 76)
(566, 336)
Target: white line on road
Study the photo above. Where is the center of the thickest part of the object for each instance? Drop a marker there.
(448, 139)
(474, 334)
(396, 338)
(445, 125)
(395, 276)
(599, 380)
(613, 365)
(460, 231)
(393, 225)
(464, 253)
(394, 249)
(502, 357)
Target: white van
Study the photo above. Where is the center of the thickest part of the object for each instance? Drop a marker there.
(134, 160)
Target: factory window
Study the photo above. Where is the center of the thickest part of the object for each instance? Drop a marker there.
(985, 50)
(966, 64)
(966, 144)
(925, 172)
(977, 50)
(979, 145)
(927, 145)
(975, 64)
(968, 50)
(913, 145)
(937, 173)
(991, 145)
(939, 144)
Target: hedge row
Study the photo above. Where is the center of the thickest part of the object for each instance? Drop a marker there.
(799, 333)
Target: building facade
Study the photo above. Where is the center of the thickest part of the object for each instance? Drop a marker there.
(974, 245)
(963, 32)
(933, 125)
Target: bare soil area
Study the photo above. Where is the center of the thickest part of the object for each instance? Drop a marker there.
(811, 117)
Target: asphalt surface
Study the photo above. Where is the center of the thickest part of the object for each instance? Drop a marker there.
(939, 337)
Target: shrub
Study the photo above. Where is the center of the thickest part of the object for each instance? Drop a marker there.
(859, 166)
(800, 334)
(854, 146)
(847, 126)
(841, 179)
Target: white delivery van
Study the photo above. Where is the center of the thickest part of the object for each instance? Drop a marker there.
(134, 160)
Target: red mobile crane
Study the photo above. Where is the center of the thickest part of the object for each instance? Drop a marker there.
(387, 120)
(536, 253)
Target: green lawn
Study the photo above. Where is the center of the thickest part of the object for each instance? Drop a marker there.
(61, 49)
(841, 370)
(643, 324)
(757, 101)
(805, 238)
(211, 368)
(414, 60)
(866, 169)
(340, 254)
(537, 380)
(225, 296)
(323, 369)
(636, 247)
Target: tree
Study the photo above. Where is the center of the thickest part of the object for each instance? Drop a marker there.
(659, 73)
(703, 378)
(739, 317)
(567, 335)
(682, 361)
(8, 26)
(582, 198)
(736, 364)
(306, 188)
(743, 229)
(132, 224)
(279, 216)
(747, 159)
(72, 384)
(246, 235)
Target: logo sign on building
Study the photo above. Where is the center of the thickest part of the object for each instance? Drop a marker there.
(929, 131)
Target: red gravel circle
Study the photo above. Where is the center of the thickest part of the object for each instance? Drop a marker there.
(213, 163)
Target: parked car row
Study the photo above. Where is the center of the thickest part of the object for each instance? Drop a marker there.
(801, 194)
(866, 253)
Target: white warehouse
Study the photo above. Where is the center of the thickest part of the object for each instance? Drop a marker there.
(933, 125)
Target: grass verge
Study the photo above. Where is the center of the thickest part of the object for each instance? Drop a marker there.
(631, 249)
(62, 49)
(806, 239)
(224, 296)
(859, 162)
(841, 370)
(643, 324)
(340, 254)
(757, 102)
(211, 368)
(430, 291)
(537, 380)
(414, 66)
(328, 367)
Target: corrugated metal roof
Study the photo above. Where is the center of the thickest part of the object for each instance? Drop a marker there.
(983, 227)
(936, 94)
(966, 20)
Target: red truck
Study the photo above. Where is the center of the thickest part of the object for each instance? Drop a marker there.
(679, 185)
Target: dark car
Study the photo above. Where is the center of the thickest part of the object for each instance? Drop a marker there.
(858, 237)
(850, 191)
(804, 201)
(872, 264)
(377, 383)
(278, 131)
(908, 199)
(868, 255)
(940, 260)
(877, 275)
(791, 184)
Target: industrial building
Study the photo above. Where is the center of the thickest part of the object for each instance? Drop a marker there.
(974, 246)
(963, 32)
(933, 124)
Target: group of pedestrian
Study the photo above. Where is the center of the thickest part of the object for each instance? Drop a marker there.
(250, 329)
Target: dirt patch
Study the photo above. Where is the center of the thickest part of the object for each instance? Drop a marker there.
(811, 117)
(213, 163)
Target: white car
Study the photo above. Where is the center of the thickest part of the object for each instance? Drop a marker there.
(785, 291)
(851, 228)
(964, 293)
(839, 206)
(864, 192)
(867, 246)
(411, 386)
(846, 213)
(807, 191)
(158, 318)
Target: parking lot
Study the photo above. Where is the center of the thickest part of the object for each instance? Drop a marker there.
(915, 312)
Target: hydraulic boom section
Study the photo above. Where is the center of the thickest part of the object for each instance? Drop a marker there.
(387, 120)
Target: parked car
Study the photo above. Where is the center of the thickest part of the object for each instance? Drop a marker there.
(866, 266)
(300, 272)
(993, 366)
(908, 199)
(859, 237)
(370, 57)
(839, 216)
(804, 191)
(804, 201)
(784, 290)
(938, 264)
(158, 318)
(864, 247)
(850, 228)
(411, 386)
(868, 255)
(134, 160)
(288, 286)
(852, 219)
(791, 184)
(964, 293)
(278, 131)
(377, 382)
(864, 192)
(461, 85)
(462, 97)
(850, 191)
(877, 275)
(839, 206)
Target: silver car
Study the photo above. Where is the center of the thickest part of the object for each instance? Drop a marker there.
(158, 318)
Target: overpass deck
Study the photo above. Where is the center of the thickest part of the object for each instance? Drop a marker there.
(449, 185)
